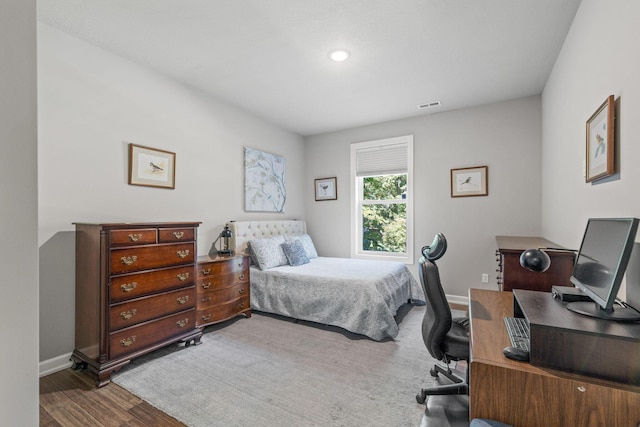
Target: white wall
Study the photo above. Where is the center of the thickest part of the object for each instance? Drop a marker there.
(91, 105)
(19, 214)
(599, 58)
(504, 136)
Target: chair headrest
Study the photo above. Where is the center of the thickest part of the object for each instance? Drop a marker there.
(436, 249)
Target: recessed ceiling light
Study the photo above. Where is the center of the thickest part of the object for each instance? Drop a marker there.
(339, 55)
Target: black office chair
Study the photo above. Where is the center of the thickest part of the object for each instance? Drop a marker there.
(446, 338)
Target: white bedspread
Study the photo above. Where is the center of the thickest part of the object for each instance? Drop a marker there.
(357, 295)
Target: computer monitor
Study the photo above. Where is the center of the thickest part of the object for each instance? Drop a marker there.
(600, 266)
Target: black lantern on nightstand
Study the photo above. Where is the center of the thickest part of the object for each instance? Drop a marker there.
(225, 241)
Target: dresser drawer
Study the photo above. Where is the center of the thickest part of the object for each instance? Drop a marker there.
(140, 236)
(139, 284)
(147, 308)
(148, 257)
(223, 312)
(174, 235)
(142, 336)
(232, 265)
(221, 296)
(221, 281)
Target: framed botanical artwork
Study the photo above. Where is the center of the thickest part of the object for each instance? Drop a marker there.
(264, 181)
(600, 142)
(466, 182)
(151, 167)
(326, 189)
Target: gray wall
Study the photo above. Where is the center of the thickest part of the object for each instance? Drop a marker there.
(591, 66)
(19, 214)
(504, 136)
(91, 105)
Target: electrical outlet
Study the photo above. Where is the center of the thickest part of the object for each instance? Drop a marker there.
(485, 278)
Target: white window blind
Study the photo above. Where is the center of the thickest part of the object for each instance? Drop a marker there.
(382, 159)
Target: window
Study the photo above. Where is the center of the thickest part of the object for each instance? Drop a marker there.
(382, 208)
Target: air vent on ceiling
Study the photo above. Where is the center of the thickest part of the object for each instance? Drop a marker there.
(430, 105)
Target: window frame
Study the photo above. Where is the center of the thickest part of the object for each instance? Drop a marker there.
(357, 201)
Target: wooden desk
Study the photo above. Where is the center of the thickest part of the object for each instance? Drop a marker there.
(523, 395)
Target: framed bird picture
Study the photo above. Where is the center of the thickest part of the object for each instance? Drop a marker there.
(466, 182)
(326, 189)
(151, 167)
(600, 142)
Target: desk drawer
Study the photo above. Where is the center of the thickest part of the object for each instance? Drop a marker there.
(148, 257)
(143, 309)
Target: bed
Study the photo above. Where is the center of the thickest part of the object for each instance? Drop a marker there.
(360, 296)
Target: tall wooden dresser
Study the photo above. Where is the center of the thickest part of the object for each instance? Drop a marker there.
(135, 292)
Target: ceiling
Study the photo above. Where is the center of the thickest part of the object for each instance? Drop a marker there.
(270, 57)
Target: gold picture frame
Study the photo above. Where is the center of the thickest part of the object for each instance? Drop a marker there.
(151, 167)
(600, 148)
(469, 182)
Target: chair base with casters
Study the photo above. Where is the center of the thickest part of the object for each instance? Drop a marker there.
(458, 386)
(446, 338)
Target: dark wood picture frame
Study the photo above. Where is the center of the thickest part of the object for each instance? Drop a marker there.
(326, 189)
(151, 167)
(600, 149)
(469, 182)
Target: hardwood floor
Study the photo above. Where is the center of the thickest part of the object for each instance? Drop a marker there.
(70, 398)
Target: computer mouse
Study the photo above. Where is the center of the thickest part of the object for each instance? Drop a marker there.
(516, 354)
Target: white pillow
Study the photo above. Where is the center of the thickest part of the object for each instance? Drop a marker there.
(267, 253)
(307, 244)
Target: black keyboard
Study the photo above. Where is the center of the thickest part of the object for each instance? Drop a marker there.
(518, 331)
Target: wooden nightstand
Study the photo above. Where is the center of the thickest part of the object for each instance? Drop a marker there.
(222, 289)
(511, 275)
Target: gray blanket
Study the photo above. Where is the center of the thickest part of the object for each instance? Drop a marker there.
(357, 295)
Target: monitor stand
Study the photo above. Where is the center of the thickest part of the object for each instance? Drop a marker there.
(591, 309)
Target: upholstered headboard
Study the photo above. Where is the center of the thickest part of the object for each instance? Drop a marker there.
(243, 231)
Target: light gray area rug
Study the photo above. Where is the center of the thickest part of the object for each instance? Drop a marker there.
(272, 371)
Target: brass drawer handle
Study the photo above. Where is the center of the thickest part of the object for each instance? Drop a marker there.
(207, 317)
(182, 323)
(241, 305)
(183, 254)
(178, 234)
(135, 237)
(205, 299)
(183, 276)
(241, 277)
(241, 291)
(205, 272)
(182, 300)
(128, 260)
(126, 342)
(128, 287)
(206, 285)
(126, 315)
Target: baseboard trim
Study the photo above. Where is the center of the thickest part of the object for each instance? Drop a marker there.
(55, 364)
(456, 299)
